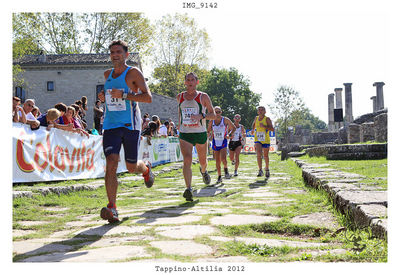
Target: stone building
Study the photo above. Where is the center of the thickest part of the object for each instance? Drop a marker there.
(50, 79)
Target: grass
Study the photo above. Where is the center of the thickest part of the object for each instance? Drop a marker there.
(375, 171)
(82, 203)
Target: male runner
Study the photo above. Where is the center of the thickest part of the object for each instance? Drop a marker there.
(219, 129)
(238, 140)
(122, 123)
(261, 125)
(192, 106)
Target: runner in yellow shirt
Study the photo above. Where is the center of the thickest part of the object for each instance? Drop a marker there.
(261, 125)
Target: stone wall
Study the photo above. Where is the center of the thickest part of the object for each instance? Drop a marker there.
(350, 152)
(380, 127)
(324, 137)
(73, 83)
(367, 132)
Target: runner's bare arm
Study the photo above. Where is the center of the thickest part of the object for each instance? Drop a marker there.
(135, 81)
(269, 125)
(231, 126)
(209, 130)
(206, 101)
(179, 114)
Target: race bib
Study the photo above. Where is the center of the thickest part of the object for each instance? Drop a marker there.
(114, 104)
(219, 135)
(261, 136)
(187, 116)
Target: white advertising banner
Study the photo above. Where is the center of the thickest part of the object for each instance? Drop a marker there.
(42, 155)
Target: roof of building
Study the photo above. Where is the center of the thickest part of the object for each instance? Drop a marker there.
(73, 59)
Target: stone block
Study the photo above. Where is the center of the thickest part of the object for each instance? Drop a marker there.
(364, 214)
(367, 132)
(380, 128)
(353, 135)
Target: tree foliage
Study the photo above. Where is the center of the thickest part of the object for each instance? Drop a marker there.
(180, 47)
(289, 110)
(170, 80)
(231, 91)
(286, 107)
(68, 33)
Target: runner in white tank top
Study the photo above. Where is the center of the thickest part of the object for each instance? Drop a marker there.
(238, 140)
(219, 130)
(192, 106)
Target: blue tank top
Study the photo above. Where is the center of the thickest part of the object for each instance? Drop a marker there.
(120, 112)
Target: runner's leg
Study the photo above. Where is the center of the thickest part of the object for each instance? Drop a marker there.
(110, 178)
(186, 149)
(259, 155)
(218, 161)
(202, 154)
(237, 155)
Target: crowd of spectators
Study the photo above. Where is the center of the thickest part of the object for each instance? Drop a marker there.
(73, 118)
(69, 118)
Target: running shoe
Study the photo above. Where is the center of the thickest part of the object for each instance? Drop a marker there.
(188, 194)
(266, 173)
(227, 176)
(233, 162)
(219, 180)
(235, 174)
(110, 214)
(206, 177)
(149, 176)
(260, 173)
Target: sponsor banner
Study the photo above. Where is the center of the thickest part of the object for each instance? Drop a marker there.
(53, 155)
(249, 146)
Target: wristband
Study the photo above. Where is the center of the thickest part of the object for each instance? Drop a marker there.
(204, 115)
(124, 95)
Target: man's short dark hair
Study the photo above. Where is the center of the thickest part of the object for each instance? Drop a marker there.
(166, 123)
(119, 42)
(191, 73)
(61, 107)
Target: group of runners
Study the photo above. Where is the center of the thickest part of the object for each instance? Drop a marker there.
(125, 86)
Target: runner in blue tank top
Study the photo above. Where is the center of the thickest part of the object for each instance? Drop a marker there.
(122, 123)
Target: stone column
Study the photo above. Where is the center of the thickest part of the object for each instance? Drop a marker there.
(374, 108)
(331, 121)
(338, 96)
(379, 95)
(348, 103)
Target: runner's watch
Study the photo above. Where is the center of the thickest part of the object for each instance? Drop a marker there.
(204, 115)
(124, 95)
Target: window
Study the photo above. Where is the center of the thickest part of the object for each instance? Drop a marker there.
(50, 86)
(20, 93)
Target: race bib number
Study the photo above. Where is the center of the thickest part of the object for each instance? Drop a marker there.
(218, 136)
(114, 104)
(187, 116)
(261, 136)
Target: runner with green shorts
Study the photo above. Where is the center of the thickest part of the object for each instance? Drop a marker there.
(192, 107)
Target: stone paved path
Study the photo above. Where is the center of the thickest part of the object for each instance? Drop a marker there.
(170, 229)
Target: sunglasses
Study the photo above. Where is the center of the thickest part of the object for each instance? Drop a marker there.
(218, 112)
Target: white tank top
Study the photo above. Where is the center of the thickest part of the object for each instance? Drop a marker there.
(219, 132)
(186, 109)
(238, 133)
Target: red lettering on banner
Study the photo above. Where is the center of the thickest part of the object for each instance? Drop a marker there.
(70, 160)
(49, 153)
(58, 150)
(22, 163)
(40, 149)
(81, 158)
(90, 155)
(78, 159)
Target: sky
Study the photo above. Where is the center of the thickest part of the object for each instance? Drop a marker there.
(312, 51)
(312, 46)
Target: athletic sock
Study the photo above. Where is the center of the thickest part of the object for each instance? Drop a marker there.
(145, 173)
(111, 205)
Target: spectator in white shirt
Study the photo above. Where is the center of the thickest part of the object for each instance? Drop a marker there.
(30, 119)
(163, 131)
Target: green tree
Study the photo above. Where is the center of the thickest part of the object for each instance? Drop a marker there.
(101, 28)
(170, 81)
(287, 106)
(231, 91)
(305, 119)
(180, 47)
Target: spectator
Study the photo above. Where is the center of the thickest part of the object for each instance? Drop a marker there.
(98, 113)
(68, 118)
(36, 112)
(144, 120)
(62, 108)
(81, 114)
(150, 131)
(59, 123)
(49, 119)
(27, 109)
(172, 129)
(16, 109)
(76, 118)
(156, 119)
(163, 131)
